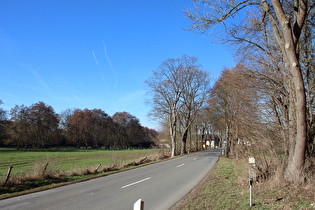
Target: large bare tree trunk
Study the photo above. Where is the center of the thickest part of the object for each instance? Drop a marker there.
(297, 151)
(172, 126)
(291, 31)
(173, 141)
(228, 141)
(184, 142)
(291, 35)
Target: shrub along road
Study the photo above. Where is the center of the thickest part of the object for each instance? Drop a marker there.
(159, 185)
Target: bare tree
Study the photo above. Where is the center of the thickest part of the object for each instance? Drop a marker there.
(196, 90)
(166, 90)
(2, 112)
(307, 57)
(3, 124)
(179, 89)
(286, 20)
(64, 118)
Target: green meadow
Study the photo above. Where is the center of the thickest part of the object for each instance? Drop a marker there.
(40, 169)
(61, 160)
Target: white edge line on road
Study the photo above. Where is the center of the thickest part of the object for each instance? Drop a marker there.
(180, 165)
(137, 182)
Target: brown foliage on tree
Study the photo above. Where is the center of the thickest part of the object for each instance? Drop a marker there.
(131, 132)
(233, 105)
(44, 124)
(35, 126)
(89, 128)
(39, 126)
(94, 128)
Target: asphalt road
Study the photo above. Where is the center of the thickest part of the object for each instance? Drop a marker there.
(159, 185)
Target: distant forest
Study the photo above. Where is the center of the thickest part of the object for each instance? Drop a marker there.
(38, 126)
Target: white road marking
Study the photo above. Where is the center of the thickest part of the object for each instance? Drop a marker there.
(195, 158)
(137, 182)
(180, 165)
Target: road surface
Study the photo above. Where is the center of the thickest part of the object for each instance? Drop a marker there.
(159, 185)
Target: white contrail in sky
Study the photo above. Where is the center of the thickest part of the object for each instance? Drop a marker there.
(110, 64)
(41, 81)
(98, 67)
(95, 59)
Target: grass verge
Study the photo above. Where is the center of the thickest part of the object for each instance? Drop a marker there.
(226, 187)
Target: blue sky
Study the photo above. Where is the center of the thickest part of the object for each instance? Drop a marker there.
(95, 53)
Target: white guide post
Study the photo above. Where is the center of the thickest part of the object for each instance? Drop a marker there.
(139, 205)
(252, 168)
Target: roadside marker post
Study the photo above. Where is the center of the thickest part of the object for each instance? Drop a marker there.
(252, 168)
(139, 205)
(252, 177)
(250, 191)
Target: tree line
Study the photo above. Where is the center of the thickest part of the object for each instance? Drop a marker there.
(38, 126)
(267, 101)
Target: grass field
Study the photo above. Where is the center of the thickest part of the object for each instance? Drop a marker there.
(40, 169)
(61, 160)
(29, 164)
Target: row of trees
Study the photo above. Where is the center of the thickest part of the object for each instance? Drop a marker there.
(267, 102)
(179, 89)
(39, 126)
(269, 99)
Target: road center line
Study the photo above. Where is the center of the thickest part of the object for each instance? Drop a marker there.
(180, 165)
(137, 182)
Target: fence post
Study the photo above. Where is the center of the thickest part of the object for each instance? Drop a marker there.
(139, 205)
(97, 167)
(8, 174)
(45, 168)
(142, 160)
